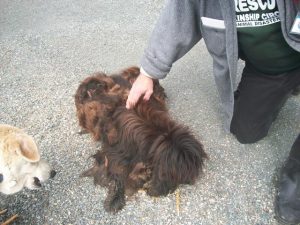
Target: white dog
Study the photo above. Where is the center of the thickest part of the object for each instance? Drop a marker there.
(20, 163)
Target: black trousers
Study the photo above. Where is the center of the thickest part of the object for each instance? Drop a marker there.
(295, 151)
(257, 102)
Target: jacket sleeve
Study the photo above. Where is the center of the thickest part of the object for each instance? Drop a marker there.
(176, 32)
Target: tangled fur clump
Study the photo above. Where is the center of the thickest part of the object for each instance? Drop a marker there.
(141, 147)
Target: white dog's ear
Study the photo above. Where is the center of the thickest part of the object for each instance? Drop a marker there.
(28, 148)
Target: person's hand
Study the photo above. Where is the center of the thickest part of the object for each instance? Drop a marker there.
(142, 86)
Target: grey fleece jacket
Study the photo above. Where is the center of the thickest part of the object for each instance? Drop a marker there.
(183, 23)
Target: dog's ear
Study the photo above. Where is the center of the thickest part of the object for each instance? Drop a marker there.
(27, 148)
(90, 172)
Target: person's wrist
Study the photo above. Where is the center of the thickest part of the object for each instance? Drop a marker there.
(145, 74)
(146, 80)
(145, 77)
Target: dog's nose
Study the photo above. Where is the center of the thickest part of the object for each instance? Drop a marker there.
(52, 173)
(1, 177)
(37, 182)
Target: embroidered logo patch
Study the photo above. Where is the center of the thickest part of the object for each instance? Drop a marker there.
(256, 13)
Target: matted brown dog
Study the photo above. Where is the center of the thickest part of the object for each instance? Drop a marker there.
(142, 148)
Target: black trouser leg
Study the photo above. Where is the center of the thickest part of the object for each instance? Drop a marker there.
(288, 199)
(258, 100)
(295, 151)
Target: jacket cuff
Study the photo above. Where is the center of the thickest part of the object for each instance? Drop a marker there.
(153, 68)
(145, 73)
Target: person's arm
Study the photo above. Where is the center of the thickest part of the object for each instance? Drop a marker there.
(176, 32)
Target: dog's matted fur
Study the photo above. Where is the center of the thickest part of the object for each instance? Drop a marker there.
(141, 147)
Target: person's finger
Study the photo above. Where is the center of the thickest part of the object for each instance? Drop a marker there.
(132, 99)
(148, 95)
(128, 104)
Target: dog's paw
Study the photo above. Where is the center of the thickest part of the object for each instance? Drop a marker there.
(160, 189)
(155, 193)
(113, 205)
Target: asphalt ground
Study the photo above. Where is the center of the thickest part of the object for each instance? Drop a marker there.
(48, 47)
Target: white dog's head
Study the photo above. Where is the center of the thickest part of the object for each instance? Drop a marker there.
(20, 163)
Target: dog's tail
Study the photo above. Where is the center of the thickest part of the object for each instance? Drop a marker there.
(178, 155)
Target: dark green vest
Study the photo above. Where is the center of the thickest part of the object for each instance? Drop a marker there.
(261, 43)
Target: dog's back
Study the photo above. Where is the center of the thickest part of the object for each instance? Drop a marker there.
(151, 136)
